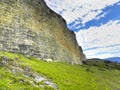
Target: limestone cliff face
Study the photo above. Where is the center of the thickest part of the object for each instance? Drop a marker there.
(29, 27)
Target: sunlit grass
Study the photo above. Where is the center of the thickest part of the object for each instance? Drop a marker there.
(66, 76)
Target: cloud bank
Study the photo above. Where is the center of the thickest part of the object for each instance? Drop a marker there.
(101, 42)
(85, 10)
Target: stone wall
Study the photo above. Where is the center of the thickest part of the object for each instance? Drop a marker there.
(29, 27)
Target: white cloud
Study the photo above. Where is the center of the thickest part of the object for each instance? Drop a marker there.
(105, 39)
(98, 38)
(90, 15)
(103, 52)
(74, 9)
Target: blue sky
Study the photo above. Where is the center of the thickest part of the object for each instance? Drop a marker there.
(96, 24)
(110, 13)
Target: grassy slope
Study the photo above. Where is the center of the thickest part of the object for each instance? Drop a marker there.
(67, 77)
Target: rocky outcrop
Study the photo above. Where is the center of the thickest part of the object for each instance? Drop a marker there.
(29, 27)
(30, 76)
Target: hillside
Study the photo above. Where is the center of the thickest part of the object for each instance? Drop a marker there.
(103, 63)
(116, 59)
(18, 72)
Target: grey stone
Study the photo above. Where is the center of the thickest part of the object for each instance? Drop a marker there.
(29, 27)
(51, 85)
(39, 78)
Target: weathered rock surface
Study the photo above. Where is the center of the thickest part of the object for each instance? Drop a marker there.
(32, 77)
(29, 27)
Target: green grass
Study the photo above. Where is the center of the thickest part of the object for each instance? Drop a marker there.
(66, 76)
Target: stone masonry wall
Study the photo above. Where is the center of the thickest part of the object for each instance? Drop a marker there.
(29, 27)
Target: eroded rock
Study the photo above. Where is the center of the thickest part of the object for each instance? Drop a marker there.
(29, 27)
